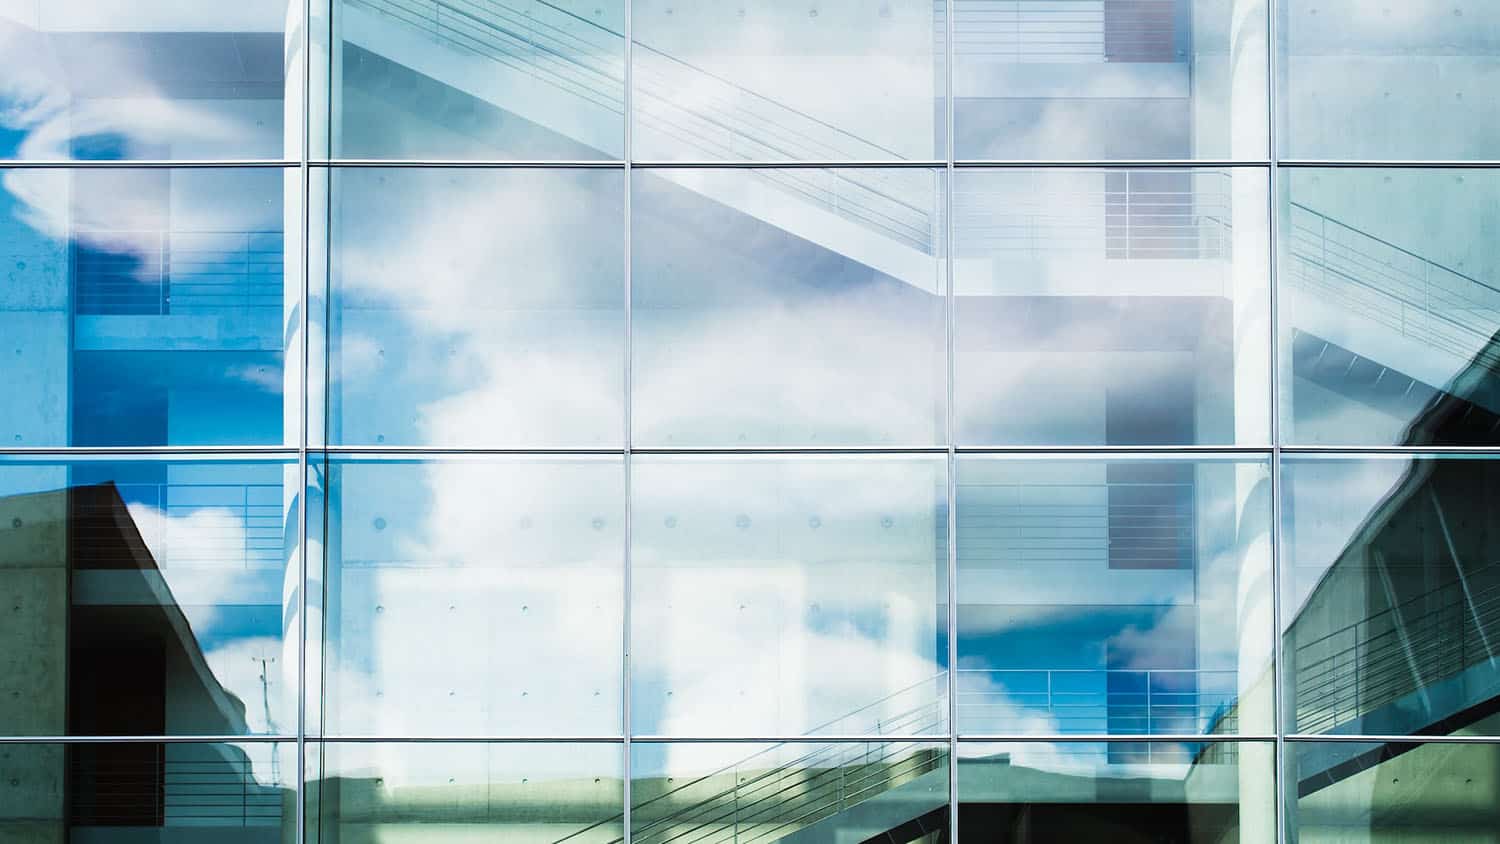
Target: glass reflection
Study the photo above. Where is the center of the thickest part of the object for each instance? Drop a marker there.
(147, 307)
(1356, 792)
(411, 791)
(1388, 81)
(786, 81)
(166, 81)
(794, 791)
(1129, 792)
(783, 596)
(474, 597)
(1392, 604)
(456, 322)
(787, 307)
(1119, 79)
(1390, 306)
(149, 792)
(148, 597)
(1118, 307)
(1128, 597)
(472, 79)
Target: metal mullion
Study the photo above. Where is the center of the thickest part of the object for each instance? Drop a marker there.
(627, 148)
(1110, 738)
(950, 55)
(1278, 647)
(277, 738)
(305, 181)
(250, 451)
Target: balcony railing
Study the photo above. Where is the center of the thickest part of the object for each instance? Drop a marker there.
(1098, 701)
(154, 273)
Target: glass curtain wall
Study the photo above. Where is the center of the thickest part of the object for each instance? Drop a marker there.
(648, 422)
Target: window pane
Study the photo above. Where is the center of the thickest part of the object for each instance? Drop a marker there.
(788, 307)
(1110, 79)
(1128, 597)
(1193, 792)
(472, 79)
(457, 322)
(1118, 307)
(474, 597)
(1389, 81)
(782, 596)
(526, 793)
(148, 597)
(149, 793)
(816, 793)
(1391, 613)
(785, 81)
(167, 81)
(1390, 303)
(148, 307)
(1353, 792)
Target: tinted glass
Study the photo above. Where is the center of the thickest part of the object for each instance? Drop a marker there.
(1392, 604)
(822, 793)
(1128, 792)
(411, 791)
(1128, 597)
(474, 597)
(1390, 302)
(788, 307)
(781, 596)
(1117, 79)
(1356, 792)
(456, 322)
(1119, 307)
(470, 79)
(788, 81)
(149, 792)
(167, 81)
(1389, 81)
(147, 307)
(148, 597)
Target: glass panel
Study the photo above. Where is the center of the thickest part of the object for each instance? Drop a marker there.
(788, 81)
(1390, 303)
(1118, 307)
(788, 307)
(148, 307)
(784, 596)
(1389, 81)
(806, 792)
(458, 322)
(1392, 593)
(1126, 792)
(1110, 79)
(167, 81)
(1353, 792)
(149, 793)
(524, 793)
(148, 597)
(472, 79)
(1126, 597)
(474, 597)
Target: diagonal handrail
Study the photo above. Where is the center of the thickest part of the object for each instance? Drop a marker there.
(895, 202)
(770, 751)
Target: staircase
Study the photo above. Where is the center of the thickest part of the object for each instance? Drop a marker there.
(873, 787)
(1436, 320)
(1404, 657)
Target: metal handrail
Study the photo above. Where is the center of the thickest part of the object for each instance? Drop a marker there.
(1377, 667)
(900, 723)
(1355, 266)
(896, 202)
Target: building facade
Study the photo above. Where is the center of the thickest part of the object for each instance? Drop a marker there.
(656, 422)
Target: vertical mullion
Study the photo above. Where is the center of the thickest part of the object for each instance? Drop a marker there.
(950, 301)
(305, 398)
(627, 154)
(1278, 666)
